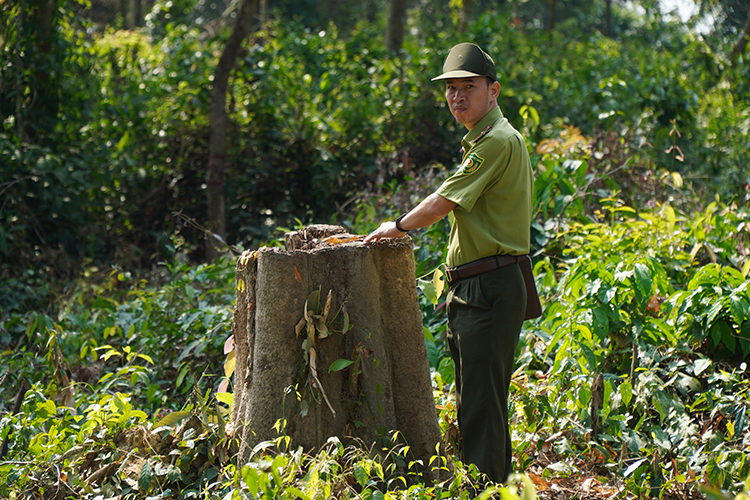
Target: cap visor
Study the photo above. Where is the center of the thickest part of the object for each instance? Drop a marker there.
(459, 73)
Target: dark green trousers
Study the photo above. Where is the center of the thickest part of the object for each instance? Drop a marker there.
(485, 314)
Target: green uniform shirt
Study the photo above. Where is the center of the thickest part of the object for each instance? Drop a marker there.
(493, 188)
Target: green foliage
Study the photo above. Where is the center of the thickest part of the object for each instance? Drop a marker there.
(629, 300)
(642, 266)
(315, 116)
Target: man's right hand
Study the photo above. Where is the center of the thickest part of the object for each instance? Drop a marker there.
(387, 229)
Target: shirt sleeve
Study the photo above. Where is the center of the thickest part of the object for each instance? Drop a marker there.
(481, 167)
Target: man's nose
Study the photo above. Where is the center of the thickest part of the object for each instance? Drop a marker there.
(457, 95)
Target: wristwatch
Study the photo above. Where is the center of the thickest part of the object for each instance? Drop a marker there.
(398, 223)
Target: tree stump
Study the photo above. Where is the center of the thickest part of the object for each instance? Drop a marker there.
(362, 372)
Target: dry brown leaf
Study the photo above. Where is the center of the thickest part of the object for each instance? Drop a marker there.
(540, 483)
(322, 328)
(314, 362)
(591, 485)
(334, 240)
(299, 327)
(297, 275)
(327, 307)
(311, 331)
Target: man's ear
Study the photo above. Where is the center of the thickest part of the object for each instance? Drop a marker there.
(495, 90)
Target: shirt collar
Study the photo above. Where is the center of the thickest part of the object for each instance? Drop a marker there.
(487, 120)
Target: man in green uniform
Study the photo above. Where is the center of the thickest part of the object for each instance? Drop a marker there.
(489, 197)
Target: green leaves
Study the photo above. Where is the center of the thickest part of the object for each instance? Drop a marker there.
(339, 364)
(433, 289)
(643, 283)
(718, 300)
(144, 478)
(172, 419)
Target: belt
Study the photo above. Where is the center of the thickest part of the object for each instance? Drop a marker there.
(480, 266)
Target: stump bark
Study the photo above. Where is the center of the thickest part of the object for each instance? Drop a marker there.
(386, 385)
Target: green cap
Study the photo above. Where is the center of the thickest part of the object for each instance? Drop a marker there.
(466, 60)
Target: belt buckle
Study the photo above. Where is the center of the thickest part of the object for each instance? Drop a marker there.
(447, 274)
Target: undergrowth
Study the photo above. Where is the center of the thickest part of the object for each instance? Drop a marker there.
(117, 392)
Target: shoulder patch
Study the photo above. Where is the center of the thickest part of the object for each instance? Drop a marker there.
(471, 164)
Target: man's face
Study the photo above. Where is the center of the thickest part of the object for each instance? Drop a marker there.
(471, 98)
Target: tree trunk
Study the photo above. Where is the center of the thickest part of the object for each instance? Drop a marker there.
(465, 15)
(332, 10)
(394, 38)
(124, 13)
(596, 404)
(553, 7)
(263, 11)
(608, 18)
(371, 11)
(137, 13)
(739, 47)
(217, 137)
(42, 110)
(286, 368)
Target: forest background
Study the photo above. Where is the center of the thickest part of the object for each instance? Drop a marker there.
(134, 131)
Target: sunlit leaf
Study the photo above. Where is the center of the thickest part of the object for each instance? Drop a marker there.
(437, 281)
(361, 475)
(226, 398)
(146, 357)
(46, 409)
(687, 384)
(229, 364)
(626, 209)
(626, 392)
(428, 288)
(677, 179)
(229, 345)
(172, 419)
(633, 467)
(296, 492)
